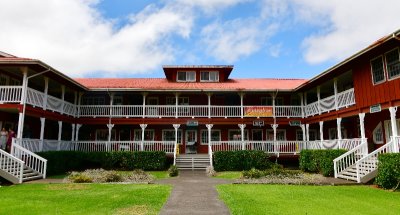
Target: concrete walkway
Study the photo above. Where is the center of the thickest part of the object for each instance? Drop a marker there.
(194, 193)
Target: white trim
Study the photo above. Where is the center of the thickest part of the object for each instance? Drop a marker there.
(209, 80)
(140, 134)
(388, 129)
(186, 135)
(277, 131)
(383, 68)
(206, 131)
(386, 65)
(173, 130)
(186, 76)
(238, 130)
(375, 130)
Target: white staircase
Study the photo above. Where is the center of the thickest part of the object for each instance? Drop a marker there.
(357, 165)
(192, 161)
(21, 165)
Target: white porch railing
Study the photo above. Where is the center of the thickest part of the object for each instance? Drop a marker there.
(346, 98)
(12, 165)
(10, 94)
(30, 159)
(342, 99)
(311, 109)
(127, 110)
(225, 111)
(288, 111)
(94, 110)
(349, 158)
(35, 98)
(155, 111)
(192, 111)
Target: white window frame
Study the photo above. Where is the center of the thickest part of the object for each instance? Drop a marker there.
(387, 65)
(383, 70)
(215, 75)
(180, 140)
(205, 132)
(246, 134)
(388, 129)
(137, 134)
(188, 77)
(378, 137)
(277, 134)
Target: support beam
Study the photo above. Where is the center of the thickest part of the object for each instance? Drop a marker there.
(62, 98)
(209, 104)
(110, 127)
(46, 92)
(241, 94)
(362, 126)
(144, 94)
(303, 129)
(319, 99)
(339, 132)
(24, 71)
(42, 125)
(59, 130)
(209, 127)
(176, 126)
(242, 126)
(72, 132)
(79, 105)
(143, 127)
(78, 126)
(302, 104)
(176, 104)
(274, 127)
(20, 125)
(307, 132)
(393, 122)
(335, 90)
(321, 130)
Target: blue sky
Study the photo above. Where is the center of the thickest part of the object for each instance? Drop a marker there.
(126, 38)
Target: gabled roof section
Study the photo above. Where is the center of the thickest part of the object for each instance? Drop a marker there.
(162, 84)
(169, 70)
(3, 54)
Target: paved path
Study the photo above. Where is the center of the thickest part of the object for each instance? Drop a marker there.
(194, 193)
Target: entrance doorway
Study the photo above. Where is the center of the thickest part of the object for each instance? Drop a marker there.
(191, 141)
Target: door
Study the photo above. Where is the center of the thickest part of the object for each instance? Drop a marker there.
(191, 141)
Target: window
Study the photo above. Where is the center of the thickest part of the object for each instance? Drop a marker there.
(377, 134)
(186, 76)
(280, 134)
(148, 135)
(236, 135)
(313, 135)
(215, 136)
(388, 129)
(378, 73)
(257, 134)
(393, 63)
(181, 101)
(209, 76)
(299, 135)
(267, 101)
(169, 135)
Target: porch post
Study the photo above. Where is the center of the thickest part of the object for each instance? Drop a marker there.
(241, 94)
(307, 134)
(274, 127)
(46, 92)
(42, 124)
(339, 132)
(335, 90)
(176, 104)
(62, 98)
(394, 125)
(242, 126)
(21, 116)
(72, 132)
(59, 134)
(302, 104)
(362, 127)
(209, 127)
(209, 104)
(111, 105)
(78, 126)
(20, 125)
(143, 127)
(321, 131)
(176, 126)
(303, 129)
(75, 103)
(110, 127)
(144, 104)
(319, 99)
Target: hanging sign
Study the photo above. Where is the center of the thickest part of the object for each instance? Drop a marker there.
(258, 111)
(258, 123)
(295, 123)
(192, 123)
(375, 108)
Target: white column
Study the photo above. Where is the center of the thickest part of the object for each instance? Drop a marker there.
(274, 127)
(110, 127)
(62, 98)
(339, 132)
(335, 90)
(176, 126)
(242, 126)
(176, 104)
(307, 132)
(59, 135)
(273, 96)
(321, 130)
(209, 127)
(42, 124)
(143, 127)
(78, 126)
(72, 132)
(362, 127)
(209, 104)
(24, 84)
(46, 92)
(393, 120)
(319, 98)
(241, 94)
(303, 129)
(79, 105)
(144, 104)
(75, 103)
(20, 125)
(302, 104)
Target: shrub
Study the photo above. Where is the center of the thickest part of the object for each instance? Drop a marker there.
(139, 176)
(79, 178)
(276, 171)
(241, 160)
(173, 171)
(252, 173)
(319, 161)
(112, 176)
(64, 161)
(388, 171)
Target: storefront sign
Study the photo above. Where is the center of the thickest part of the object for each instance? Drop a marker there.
(192, 123)
(294, 123)
(258, 123)
(258, 111)
(375, 108)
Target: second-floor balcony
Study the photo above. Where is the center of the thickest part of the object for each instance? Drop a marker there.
(35, 98)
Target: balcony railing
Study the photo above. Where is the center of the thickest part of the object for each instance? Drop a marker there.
(13, 94)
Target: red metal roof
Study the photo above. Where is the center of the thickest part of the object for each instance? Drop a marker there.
(259, 84)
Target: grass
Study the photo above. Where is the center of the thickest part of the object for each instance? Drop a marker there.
(290, 199)
(229, 175)
(83, 199)
(159, 174)
(60, 176)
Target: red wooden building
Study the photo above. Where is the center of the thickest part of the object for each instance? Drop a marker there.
(200, 109)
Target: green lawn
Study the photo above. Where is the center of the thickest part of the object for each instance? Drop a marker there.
(83, 199)
(229, 174)
(290, 199)
(159, 174)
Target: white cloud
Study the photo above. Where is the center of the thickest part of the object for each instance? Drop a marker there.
(211, 6)
(234, 39)
(346, 26)
(73, 37)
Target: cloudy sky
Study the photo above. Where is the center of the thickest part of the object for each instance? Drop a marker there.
(134, 38)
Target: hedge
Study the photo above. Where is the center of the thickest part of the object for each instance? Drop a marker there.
(240, 160)
(388, 171)
(59, 162)
(319, 161)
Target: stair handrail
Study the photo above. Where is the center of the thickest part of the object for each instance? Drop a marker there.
(16, 172)
(31, 159)
(350, 158)
(387, 148)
